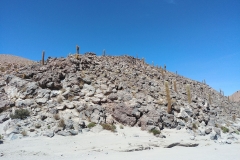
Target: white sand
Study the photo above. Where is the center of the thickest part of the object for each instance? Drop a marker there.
(107, 145)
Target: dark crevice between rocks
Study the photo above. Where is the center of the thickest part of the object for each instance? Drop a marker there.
(182, 144)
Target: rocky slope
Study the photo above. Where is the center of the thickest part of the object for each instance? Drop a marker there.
(65, 94)
(10, 62)
(235, 97)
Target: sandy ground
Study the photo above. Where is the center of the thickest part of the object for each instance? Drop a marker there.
(120, 145)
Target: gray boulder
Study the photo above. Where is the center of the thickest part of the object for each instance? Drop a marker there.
(48, 134)
(63, 133)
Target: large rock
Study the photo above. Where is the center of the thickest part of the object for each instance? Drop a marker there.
(113, 97)
(123, 114)
(13, 129)
(48, 134)
(63, 133)
(88, 90)
(25, 103)
(97, 129)
(4, 117)
(95, 100)
(41, 100)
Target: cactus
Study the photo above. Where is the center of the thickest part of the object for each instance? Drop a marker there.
(77, 49)
(188, 93)
(165, 68)
(175, 86)
(104, 52)
(43, 54)
(77, 56)
(169, 106)
(210, 98)
(162, 72)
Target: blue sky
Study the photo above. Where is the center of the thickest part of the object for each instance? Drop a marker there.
(200, 39)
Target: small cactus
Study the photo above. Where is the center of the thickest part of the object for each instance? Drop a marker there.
(104, 53)
(162, 72)
(77, 49)
(43, 54)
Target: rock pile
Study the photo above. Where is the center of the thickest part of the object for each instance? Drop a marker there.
(65, 94)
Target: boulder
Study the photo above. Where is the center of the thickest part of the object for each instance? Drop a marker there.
(73, 132)
(98, 128)
(95, 100)
(88, 90)
(48, 134)
(4, 117)
(41, 100)
(63, 133)
(123, 114)
(208, 130)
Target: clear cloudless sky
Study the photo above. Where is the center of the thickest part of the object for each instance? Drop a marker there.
(200, 39)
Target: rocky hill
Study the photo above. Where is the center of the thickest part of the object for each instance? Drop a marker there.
(66, 94)
(9, 62)
(235, 97)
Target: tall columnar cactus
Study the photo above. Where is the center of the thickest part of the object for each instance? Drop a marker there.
(104, 53)
(165, 67)
(77, 49)
(169, 106)
(210, 98)
(162, 72)
(175, 86)
(43, 54)
(189, 93)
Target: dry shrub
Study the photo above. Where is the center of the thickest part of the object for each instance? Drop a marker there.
(20, 114)
(77, 56)
(155, 131)
(56, 116)
(91, 125)
(109, 127)
(61, 123)
(81, 83)
(24, 133)
(234, 118)
(59, 99)
(194, 126)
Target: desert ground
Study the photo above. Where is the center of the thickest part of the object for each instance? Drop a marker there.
(127, 143)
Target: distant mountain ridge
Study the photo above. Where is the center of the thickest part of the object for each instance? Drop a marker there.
(235, 97)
